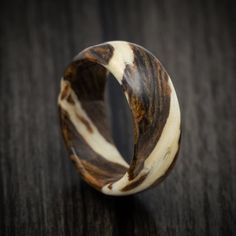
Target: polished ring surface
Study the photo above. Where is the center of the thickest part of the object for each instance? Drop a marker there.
(155, 117)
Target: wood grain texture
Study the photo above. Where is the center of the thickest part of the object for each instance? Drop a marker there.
(152, 101)
(40, 191)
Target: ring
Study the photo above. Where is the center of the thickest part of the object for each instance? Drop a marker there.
(155, 114)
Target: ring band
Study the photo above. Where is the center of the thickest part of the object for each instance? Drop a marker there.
(155, 117)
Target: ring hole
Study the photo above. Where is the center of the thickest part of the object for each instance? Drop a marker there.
(120, 118)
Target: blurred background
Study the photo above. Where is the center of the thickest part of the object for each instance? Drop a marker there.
(40, 191)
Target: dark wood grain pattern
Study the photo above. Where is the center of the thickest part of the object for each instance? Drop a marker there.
(40, 191)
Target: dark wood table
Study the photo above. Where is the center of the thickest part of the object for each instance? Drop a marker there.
(40, 191)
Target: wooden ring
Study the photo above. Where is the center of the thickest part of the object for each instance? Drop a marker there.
(155, 116)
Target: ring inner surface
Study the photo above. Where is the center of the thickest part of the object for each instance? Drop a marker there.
(85, 124)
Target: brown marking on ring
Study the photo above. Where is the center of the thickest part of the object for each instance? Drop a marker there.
(65, 91)
(110, 186)
(166, 89)
(165, 85)
(101, 53)
(67, 135)
(95, 169)
(85, 122)
(94, 175)
(70, 100)
(73, 159)
(138, 109)
(134, 183)
(86, 174)
(70, 71)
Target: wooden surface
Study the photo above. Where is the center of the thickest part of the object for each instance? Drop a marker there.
(40, 191)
